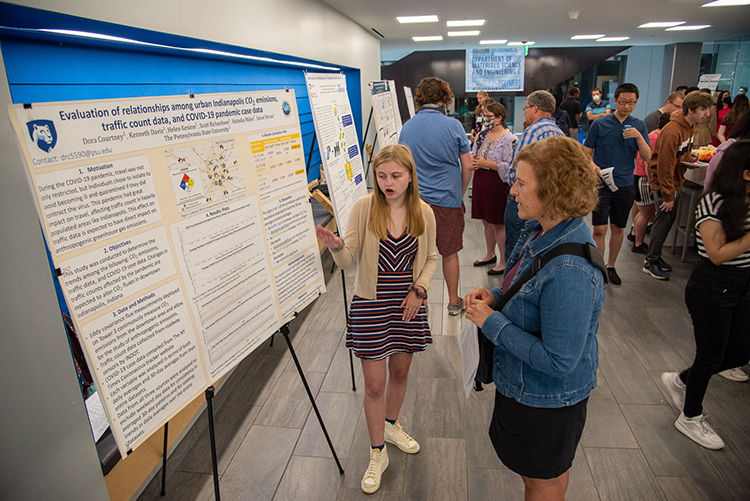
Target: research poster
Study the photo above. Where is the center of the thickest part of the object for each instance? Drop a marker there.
(396, 111)
(384, 108)
(409, 101)
(338, 143)
(495, 70)
(182, 233)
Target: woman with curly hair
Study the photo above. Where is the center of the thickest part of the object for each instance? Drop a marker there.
(545, 336)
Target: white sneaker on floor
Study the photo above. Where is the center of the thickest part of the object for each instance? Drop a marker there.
(735, 374)
(675, 387)
(699, 431)
(378, 464)
(395, 434)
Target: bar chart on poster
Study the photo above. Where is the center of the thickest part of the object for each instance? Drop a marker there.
(338, 142)
(182, 233)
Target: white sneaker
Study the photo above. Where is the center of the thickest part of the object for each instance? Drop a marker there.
(675, 387)
(699, 431)
(378, 464)
(395, 434)
(736, 374)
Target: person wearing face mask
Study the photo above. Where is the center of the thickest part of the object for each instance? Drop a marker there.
(490, 159)
(598, 107)
(723, 107)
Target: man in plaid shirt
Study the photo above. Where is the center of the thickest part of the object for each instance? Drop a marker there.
(540, 105)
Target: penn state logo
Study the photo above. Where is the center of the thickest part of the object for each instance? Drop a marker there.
(286, 108)
(43, 134)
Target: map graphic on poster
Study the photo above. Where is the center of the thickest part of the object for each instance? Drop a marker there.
(183, 234)
(384, 109)
(338, 143)
(205, 175)
(495, 70)
(409, 101)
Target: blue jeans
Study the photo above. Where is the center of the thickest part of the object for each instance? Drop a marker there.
(513, 226)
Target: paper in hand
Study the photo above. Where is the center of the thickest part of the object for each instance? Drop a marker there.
(469, 344)
(608, 178)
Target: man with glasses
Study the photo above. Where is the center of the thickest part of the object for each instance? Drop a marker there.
(540, 105)
(615, 140)
(674, 103)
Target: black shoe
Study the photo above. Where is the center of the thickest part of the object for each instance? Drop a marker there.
(496, 272)
(663, 265)
(631, 237)
(640, 249)
(614, 278)
(485, 263)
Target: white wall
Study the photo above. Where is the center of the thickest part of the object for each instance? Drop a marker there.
(645, 69)
(302, 28)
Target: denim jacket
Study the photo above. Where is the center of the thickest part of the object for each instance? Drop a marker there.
(563, 302)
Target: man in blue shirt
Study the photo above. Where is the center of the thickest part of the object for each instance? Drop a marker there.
(615, 140)
(538, 113)
(598, 107)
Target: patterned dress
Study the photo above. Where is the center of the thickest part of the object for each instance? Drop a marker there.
(375, 329)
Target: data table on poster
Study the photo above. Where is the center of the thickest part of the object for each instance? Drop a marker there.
(182, 233)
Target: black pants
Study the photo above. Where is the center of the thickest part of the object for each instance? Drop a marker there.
(663, 222)
(718, 299)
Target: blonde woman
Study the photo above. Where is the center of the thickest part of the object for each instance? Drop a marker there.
(392, 234)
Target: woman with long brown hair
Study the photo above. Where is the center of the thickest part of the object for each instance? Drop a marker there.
(392, 234)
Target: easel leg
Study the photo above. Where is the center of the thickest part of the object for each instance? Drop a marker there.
(285, 331)
(211, 434)
(346, 313)
(164, 461)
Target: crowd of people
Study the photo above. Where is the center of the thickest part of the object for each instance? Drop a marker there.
(533, 195)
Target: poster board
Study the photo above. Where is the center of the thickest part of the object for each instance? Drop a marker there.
(410, 101)
(709, 81)
(338, 142)
(182, 233)
(384, 110)
(396, 110)
(495, 69)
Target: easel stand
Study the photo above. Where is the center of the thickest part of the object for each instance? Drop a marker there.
(164, 461)
(346, 313)
(285, 332)
(212, 435)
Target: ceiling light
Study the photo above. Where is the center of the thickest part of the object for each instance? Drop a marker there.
(490, 42)
(417, 19)
(464, 33)
(726, 3)
(666, 24)
(689, 28)
(613, 39)
(586, 37)
(521, 43)
(470, 22)
(427, 39)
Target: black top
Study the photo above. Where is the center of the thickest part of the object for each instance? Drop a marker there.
(573, 108)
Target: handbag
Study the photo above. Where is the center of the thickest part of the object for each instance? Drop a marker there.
(587, 251)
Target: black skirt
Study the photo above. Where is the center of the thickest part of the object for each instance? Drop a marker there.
(536, 442)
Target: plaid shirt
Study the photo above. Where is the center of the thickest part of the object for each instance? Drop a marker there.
(541, 129)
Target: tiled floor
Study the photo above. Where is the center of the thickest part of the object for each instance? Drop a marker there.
(270, 445)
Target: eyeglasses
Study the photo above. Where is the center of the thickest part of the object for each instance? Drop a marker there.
(490, 117)
(527, 107)
(626, 103)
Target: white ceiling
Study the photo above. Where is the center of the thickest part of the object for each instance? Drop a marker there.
(545, 22)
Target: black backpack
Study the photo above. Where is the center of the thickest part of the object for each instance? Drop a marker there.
(486, 347)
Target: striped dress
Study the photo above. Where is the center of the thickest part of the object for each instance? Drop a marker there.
(375, 330)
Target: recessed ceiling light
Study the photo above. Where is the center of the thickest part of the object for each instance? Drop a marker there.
(689, 28)
(490, 42)
(521, 43)
(464, 22)
(666, 24)
(726, 3)
(417, 19)
(613, 39)
(586, 37)
(464, 33)
(427, 39)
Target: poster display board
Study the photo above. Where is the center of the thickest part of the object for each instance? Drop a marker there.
(409, 101)
(384, 108)
(182, 233)
(709, 81)
(338, 142)
(495, 70)
(396, 111)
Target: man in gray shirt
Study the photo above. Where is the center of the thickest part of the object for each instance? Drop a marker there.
(674, 102)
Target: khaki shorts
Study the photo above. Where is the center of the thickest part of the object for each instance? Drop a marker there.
(449, 228)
